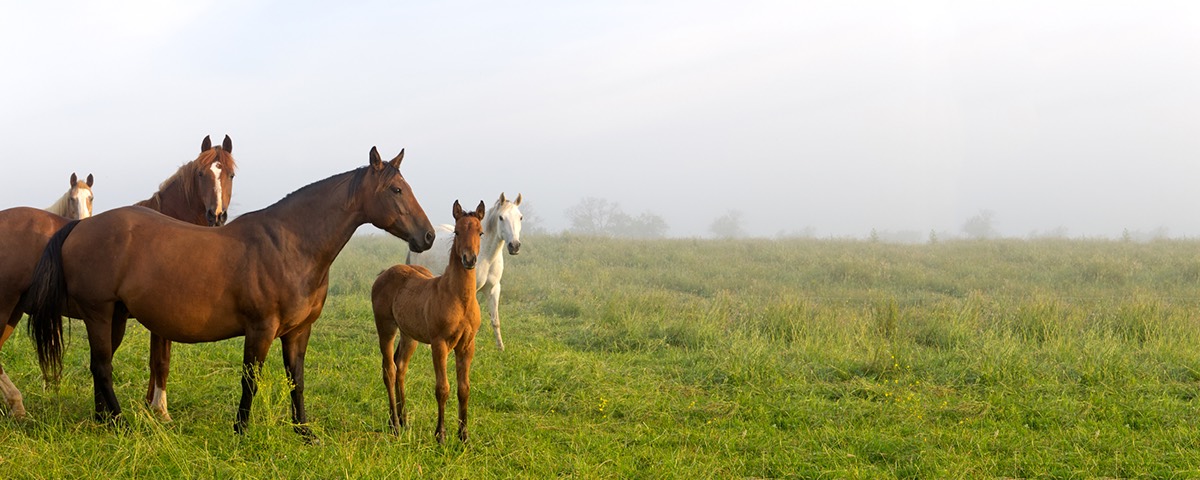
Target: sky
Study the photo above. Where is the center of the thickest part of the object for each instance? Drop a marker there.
(833, 117)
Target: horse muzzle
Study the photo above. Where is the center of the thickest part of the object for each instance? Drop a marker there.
(215, 219)
(468, 261)
(514, 248)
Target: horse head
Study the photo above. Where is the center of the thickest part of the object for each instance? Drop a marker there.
(214, 174)
(468, 227)
(389, 203)
(79, 198)
(508, 218)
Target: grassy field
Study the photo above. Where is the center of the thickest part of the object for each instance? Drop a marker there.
(701, 359)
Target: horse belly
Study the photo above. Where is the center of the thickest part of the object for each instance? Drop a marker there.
(181, 310)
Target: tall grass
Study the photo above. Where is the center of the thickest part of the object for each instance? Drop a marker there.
(798, 358)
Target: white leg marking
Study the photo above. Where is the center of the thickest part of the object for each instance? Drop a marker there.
(12, 396)
(159, 404)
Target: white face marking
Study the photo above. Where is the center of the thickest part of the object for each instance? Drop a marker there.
(81, 202)
(216, 170)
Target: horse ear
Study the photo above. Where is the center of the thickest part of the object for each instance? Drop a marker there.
(74, 180)
(479, 211)
(89, 180)
(206, 144)
(227, 145)
(376, 162)
(502, 198)
(458, 211)
(518, 202)
(399, 158)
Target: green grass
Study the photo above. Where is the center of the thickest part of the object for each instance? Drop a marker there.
(704, 359)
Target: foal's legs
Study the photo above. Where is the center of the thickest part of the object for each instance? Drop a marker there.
(258, 343)
(295, 345)
(463, 353)
(403, 354)
(441, 387)
(12, 396)
(160, 365)
(387, 339)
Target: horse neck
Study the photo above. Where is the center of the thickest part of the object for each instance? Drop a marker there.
(59, 207)
(457, 278)
(320, 218)
(492, 243)
(172, 201)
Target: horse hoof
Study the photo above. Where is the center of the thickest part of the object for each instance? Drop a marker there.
(239, 428)
(462, 436)
(307, 435)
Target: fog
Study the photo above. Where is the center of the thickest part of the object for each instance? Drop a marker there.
(827, 118)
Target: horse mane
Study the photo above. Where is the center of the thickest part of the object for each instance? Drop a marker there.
(193, 168)
(60, 207)
(491, 218)
(354, 177)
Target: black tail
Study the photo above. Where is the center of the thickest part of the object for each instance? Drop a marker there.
(45, 300)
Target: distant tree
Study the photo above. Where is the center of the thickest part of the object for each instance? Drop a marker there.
(980, 226)
(599, 217)
(728, 225)
(646, 225)
(594, 216)
(532, 223)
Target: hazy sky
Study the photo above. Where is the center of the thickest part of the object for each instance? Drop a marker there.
(841, 116)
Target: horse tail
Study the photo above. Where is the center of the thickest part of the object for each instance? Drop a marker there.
(45, 300)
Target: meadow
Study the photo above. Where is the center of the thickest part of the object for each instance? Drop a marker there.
(700, 359)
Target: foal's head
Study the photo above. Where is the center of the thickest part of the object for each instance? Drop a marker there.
(389, 203)
(213, 173)
(79, 199)
(467, 230)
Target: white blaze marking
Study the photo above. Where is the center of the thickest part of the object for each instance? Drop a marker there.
(216, 169)
(80, 199)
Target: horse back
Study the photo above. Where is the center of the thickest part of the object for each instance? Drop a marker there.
(24, 233)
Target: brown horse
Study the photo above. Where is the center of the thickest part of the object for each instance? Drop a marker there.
(76, 204)
(263, 275)
(24, 233)
(441, 311)
(211, 183)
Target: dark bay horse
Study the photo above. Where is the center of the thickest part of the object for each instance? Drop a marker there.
(264, 276)
(24, 232)
(440, 311)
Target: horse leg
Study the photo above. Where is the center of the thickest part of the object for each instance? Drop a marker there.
(258, 343)
(387, 339)
(403, 354)
(12, 396)
(160, 367)
(100, 342)
(295, 345)
(494, 305)
(442, 387)
(463, 354)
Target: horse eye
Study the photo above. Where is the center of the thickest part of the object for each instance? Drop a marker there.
(231, 176)
(396, 190)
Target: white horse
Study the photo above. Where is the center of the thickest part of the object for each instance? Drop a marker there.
(76, 204)
(501, 227)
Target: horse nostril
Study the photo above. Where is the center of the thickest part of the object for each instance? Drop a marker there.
(429, 238)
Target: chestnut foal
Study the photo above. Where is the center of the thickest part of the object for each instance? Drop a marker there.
(441, 311)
